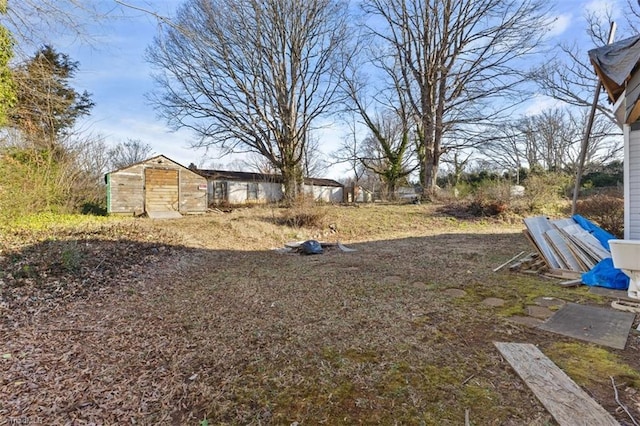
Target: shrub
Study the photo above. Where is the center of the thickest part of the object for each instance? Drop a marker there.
(606, 210)
(490, 198)
(545, 193)
(304, 213)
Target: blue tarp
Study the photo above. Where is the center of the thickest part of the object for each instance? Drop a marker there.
(604, 274)
(602, 235)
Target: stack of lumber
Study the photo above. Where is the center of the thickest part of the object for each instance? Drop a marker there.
(530, 264)
(566, 247)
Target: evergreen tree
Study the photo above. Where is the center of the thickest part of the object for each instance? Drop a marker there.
(7, 92)
(47, 106)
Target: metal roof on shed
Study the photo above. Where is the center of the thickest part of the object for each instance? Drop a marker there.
(259, 177)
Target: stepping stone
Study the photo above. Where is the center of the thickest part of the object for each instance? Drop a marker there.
(455, 293)
(528, 321)
(494, 302)
(549, 302)
(540, 312)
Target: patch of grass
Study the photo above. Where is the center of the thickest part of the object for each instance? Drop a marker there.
(47, 221)
(588, 364)
(520, 291)
(71, 256)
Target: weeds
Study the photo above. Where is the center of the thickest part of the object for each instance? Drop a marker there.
(607, 210)
(303, 214)
(71, 256)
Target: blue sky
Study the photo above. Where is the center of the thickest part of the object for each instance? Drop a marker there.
(114, 71)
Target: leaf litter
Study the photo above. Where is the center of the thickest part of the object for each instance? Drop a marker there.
(177, 321)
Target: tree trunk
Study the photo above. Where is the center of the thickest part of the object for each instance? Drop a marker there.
(293, 182)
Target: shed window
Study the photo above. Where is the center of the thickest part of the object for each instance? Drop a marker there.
(220, 191)
(252, 191)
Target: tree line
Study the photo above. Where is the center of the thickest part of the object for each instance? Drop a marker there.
(421, 84)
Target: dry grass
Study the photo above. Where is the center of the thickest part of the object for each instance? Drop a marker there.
(225, 328)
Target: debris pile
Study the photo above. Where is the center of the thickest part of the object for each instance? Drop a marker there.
(567, 248)
(530, 264)
(311, 247)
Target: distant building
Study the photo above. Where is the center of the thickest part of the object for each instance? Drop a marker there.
(245, 187)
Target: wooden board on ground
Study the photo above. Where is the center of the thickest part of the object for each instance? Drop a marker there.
(564, 274)
(561, 396)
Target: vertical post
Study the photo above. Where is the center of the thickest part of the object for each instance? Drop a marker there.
(587, 133)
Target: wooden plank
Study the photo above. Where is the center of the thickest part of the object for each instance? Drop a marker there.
(162, 192)
(587, 241)
(561, 223)
(564, 274)
(571, 283)
(560, 245)
(562, 397)
(537, 226)
(533, 243)
(555, 251)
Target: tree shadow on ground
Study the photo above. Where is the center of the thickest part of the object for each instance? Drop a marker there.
(164, 333)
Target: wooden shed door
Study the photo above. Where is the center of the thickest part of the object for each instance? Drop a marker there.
(161, 190)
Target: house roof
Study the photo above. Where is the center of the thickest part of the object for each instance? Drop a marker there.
(614, 63)
(160, 159)
(259, 177)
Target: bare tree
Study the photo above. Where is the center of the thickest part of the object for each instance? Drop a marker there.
(252, 76)
(456, 57)
(313, 161)
(349, 151)
(384, 151)
(568, 76)
(257, 163)
(34, 22)
(551, 141)
(381, 103)
(129, 152)
(458, 162)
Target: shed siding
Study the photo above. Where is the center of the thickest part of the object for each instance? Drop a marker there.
(172, 187)
(127, 191)
(238, 192)
(193, 192)
(328, 194)
(161, 186)
(633, 182)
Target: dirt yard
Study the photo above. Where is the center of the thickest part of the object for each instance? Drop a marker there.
(199, 321)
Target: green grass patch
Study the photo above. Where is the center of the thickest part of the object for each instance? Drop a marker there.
(588, 364)
(47, 221)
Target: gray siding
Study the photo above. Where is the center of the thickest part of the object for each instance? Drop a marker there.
(126, 191)
(127, 188)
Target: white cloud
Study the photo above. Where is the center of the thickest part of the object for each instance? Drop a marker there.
(601, 8)
(540, 103)
(560, 24)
